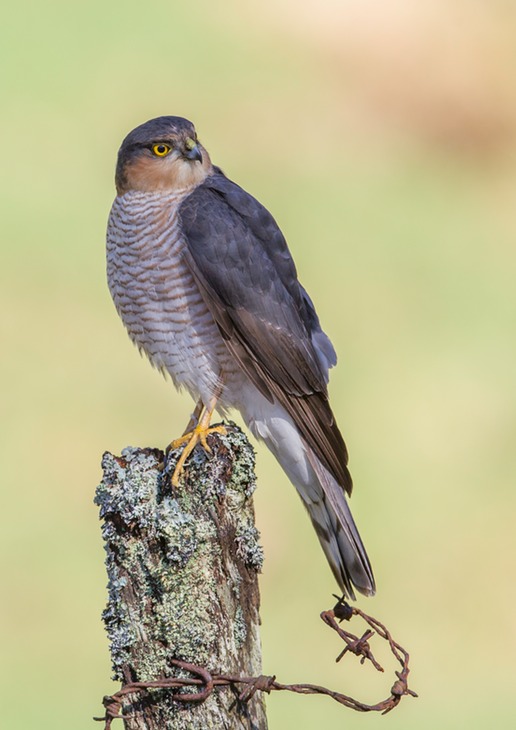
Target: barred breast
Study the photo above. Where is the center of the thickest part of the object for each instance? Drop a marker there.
(156, 294)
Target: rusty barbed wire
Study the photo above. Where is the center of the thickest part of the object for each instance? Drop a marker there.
(207, 682)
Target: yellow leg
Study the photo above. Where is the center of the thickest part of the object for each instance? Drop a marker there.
(194, 418)
(196, 435)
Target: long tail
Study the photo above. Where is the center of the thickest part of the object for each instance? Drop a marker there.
(337, 532)
(323, 497)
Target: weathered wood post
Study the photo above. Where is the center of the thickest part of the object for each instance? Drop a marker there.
(182, 568)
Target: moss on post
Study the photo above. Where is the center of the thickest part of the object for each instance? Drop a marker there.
(182, 568)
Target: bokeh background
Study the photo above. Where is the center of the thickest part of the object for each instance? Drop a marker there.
(382, 136)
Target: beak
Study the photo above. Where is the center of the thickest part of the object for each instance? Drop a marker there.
(194, 153)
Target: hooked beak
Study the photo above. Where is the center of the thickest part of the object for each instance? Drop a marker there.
(192, 151)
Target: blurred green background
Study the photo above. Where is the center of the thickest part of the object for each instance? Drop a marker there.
(382, 136)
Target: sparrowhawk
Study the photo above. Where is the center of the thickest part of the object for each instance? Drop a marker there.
(204, 282)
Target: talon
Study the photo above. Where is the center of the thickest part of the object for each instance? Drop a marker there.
(176, 443)
(190, 440)
(205, 433)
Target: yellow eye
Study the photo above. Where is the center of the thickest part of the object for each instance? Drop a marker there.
(161, 149)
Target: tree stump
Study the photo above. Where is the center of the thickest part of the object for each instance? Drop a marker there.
(182, 568)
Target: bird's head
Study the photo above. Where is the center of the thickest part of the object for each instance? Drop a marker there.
(162, 154)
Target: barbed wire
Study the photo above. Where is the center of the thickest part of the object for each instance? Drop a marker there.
(207, 681)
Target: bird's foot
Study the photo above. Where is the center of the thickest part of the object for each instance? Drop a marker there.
(190, 440)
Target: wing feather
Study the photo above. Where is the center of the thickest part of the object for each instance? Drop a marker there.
(248, 279)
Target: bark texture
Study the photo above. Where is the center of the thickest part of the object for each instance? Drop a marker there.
(182, 568)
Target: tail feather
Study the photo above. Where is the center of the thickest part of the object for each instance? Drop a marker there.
(321, 494)
(338, 534)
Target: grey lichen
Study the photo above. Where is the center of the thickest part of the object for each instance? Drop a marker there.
(182, 569)
(248, 546)
(239, 627)
(139, 486)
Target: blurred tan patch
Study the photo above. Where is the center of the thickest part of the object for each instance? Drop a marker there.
(441, 70)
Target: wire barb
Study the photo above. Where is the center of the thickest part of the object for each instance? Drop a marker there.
(206, 682)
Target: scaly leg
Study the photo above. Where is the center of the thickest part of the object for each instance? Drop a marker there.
(196, 435)
(194, 418)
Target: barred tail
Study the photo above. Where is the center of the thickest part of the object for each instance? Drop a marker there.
(323, 497)
(337, 532)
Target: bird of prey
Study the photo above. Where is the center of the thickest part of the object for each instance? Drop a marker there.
(204, 282)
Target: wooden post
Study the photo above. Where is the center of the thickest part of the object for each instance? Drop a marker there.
(182, 568)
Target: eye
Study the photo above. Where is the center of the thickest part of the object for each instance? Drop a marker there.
(161, 149)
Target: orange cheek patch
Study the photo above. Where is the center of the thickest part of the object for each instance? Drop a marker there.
(149, 174)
